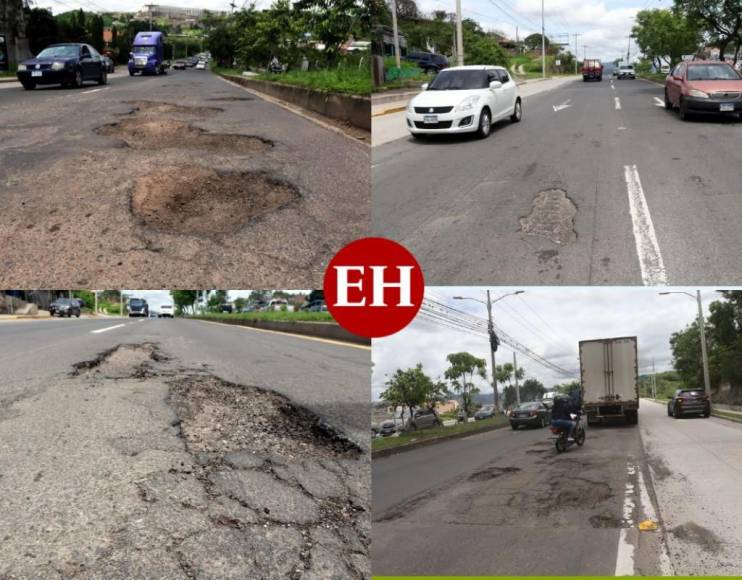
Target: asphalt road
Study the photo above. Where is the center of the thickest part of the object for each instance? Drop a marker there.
(504, 502)
(642, 196)
(178, 180)
(181, 449)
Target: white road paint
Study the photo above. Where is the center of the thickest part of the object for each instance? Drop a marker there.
(622, 128)
(90, 91)
(651, 514)
(647, 248)
(614, 88)
(561, 106)
(625, 552)
(659, 102)
(106, 328)
(618, 103)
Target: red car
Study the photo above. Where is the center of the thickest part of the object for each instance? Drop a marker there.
(704, 87)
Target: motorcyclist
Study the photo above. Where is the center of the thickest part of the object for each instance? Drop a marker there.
(561, 414)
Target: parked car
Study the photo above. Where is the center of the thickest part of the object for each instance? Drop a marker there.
(423, 419)
(463, 100)
(689, 402)
(533, 414)
(486, 412)
(137, 307)
(166, 311)
(201, 65)
(706, 87)
(109, 64)
(592, 69)
(388, 428)
(226, 307)
(315, 306)
(626, 71)
(548, 399)
(430, 63)
(65, 307)
(179, 65)
(63, 64)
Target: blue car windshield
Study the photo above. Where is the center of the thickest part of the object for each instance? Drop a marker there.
(145, 50)
(65, 51)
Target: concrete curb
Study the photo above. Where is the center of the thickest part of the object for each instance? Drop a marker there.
(348, 108)
(389, 111)
(8, 80)
(426, 442)
(328, 330)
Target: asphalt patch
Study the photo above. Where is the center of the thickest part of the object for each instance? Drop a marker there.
(552, 216)
(575, 492)
(492, 473)
(695, 534)
(198, 201)
(158, 133)
(124, 361)
(605, 521)
(160, 107)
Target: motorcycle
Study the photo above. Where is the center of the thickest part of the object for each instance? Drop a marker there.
(561, 439)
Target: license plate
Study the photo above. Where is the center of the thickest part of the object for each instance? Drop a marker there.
(726, 107)
(36, 73)
(430, 118)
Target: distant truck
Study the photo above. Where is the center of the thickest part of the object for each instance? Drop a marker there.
(592, 69)
(609, 374)
(147, 55)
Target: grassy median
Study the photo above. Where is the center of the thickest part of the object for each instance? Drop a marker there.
(411, 437)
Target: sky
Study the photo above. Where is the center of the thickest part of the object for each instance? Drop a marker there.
(603, 25)
(156, 298)
(57, 6)
(550, 321)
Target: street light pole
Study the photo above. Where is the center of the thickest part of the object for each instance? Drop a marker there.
(459, 35)
(515, 375)
(543, 42)
(491, 332)
(395, 32)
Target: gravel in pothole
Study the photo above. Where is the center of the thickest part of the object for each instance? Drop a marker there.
(144, 132)
(199, 201)
(122, 361)
(552, 216)
(218, 417)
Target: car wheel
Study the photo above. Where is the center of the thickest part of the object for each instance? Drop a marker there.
(485, 124)
(542, 424)
(29, 86)
(77, 315)
(517, 112)
(103, 77)
(77, 82)
(668, 104)
(669, 411)
(131, 73)
(513, 426)
(683, 110)
(675, 413)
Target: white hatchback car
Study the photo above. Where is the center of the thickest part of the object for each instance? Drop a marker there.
(464, 99)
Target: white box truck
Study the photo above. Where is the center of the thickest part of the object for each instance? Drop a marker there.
(609, 373)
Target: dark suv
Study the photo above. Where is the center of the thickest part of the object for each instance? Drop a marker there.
(689, 401)
(429, 62)
(138, 307)
(65, 307)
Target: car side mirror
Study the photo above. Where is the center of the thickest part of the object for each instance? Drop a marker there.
(677, 78)
(494, 85)
(424, 86)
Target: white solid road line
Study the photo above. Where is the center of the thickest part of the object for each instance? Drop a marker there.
(651, 514)
(564, 105)
(647, 248)
(107, 328)
(90, 91)
(659, 102)
(618, 103)
(625, 552)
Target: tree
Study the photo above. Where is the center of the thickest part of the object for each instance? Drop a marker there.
(41, 29)
(722, 21)
(464, 366)
(216, 299)
(407, 10)
(258, 296)
(184, 300)
(222, 40)
(411, 388)
(316, 295)
(569, 389)
(533, 41)
(662, 34)
(239, 303)
(334, 21)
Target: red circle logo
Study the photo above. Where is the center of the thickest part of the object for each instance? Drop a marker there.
(373, 287)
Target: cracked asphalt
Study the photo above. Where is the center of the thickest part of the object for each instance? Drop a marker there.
(181, 449)
(88, 178)
(505, 503)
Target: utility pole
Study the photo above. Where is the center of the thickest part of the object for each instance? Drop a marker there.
(395, 32)
(517, 40)
(95, 308)
(459, 35)
(121, 303)
(543, 42)
(704, 353)
(654, 381)
(577, 49)
(515, 375)
(149, 8)
(491, 332)
(628, 51)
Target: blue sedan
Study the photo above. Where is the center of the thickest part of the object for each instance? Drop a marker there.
(65, 64)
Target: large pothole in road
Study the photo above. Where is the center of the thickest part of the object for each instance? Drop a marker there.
(154, 133)
(121, 362)
(159, 107)
(222, 419)
(202, 202)
(552, 216)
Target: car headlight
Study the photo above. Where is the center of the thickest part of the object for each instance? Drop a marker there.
(468, 103)
(58, 66)
(22, 67)
(410, 108)
(697, 93)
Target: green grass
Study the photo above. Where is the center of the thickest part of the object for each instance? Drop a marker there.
(657, 77)
(344, 79)
(436, 433)
(301, 316)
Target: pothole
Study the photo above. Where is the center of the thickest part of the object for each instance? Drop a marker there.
(149, 133)
(491, 473)
(576, 492)
(695, 534)
(121, 362)
(231, 99)
(217, 417)
(171, 108)
(198, 201)
(605, 521)
(552, 216)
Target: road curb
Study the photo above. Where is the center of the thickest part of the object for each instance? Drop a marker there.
(389, 111)
(426, 442)
(326, 330)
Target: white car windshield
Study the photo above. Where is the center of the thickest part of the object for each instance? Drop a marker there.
(460, 80)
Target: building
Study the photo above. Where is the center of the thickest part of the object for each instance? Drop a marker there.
(13, 42)
(176, 14)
